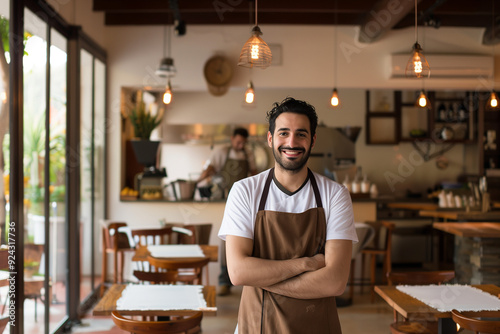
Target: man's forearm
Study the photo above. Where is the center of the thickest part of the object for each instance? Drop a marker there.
(258, 272)
(315, 284)
(327, 281)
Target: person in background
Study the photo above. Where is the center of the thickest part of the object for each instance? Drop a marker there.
(231, 163)
(289, 234)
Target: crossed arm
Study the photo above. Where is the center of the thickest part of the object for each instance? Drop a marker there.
(303, 278)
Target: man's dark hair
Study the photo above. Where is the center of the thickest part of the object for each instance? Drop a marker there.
(294, 106)
(240, 131)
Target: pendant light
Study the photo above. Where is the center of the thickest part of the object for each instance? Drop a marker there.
(255, 52)
(334, 100)
(417, 66)
(249, 93)
(166, 68)
(493, 103)
(422, 100)
(167, 96)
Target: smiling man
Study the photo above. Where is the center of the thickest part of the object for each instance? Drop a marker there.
(289, 234)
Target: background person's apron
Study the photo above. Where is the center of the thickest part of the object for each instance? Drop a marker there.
(234, 170)
(281, 236)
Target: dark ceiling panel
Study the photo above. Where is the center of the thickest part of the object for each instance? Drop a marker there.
(452, 13)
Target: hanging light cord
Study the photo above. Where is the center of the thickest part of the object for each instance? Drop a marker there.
(493, 38)
(168, 40)
(335, 49)
(164, 41)
(416, 29)
(256, 22)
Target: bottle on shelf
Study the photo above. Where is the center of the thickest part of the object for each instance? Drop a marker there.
(365, 185)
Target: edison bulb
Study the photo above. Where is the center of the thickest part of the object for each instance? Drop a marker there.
(417, 65)
(249, 96)
(249, 93)
(494, 102)
(335, 101)
(422, 101)
(254, 52)
(3, 96)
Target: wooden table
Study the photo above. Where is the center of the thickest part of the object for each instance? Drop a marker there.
(461, 215)
(475, 229)
(476, 251)
(210, 251)
(408, 306)
(108, 303)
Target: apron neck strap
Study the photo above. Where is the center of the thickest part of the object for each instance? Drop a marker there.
(319, 203)
(265, 192)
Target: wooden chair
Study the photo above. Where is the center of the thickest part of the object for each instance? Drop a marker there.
(188, 271)
(384, 251)
(484, 322)
(116, 243)
(181, 325)
(195, 234)
(164, 277)
(152, 236)
(414, 326)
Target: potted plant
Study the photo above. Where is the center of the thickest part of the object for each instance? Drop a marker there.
(144, 122)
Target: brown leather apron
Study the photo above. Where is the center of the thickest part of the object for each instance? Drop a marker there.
(281, 236)
(234, 170)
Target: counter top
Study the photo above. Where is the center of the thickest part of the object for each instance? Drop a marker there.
(481, 230)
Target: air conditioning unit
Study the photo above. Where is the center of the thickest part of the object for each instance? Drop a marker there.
(447, 66)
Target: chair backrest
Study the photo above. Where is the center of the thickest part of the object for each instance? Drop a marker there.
(112, 238)
(420, 277)
(178, 326)
(177, 266)
(152, 236)
(383, 234)
(165, 277)
(470, 321)
(192, 234)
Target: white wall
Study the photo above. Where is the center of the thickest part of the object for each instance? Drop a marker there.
(306, 72)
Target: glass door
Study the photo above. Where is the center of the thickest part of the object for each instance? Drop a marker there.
(92, 166)
(44, 152)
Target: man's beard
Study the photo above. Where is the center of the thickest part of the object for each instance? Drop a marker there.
(294, 165)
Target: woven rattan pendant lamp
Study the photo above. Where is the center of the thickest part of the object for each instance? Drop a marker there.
(255, 52)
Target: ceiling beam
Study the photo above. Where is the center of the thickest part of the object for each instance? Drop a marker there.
(380, 19)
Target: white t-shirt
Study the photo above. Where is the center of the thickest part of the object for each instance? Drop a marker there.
(218, 157)
(243, 204)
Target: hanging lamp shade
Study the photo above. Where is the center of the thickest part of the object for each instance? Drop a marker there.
(255, 52)
(166, 68)
(493, 103)
(422, 100)
(417, 66)
(167, 96)
(334, 100)
(249, 93)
